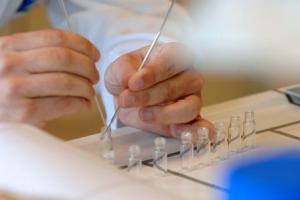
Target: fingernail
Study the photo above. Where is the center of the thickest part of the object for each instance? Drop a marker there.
(139, 84)
(146, 114)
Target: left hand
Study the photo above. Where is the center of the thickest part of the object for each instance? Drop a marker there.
(164, 97)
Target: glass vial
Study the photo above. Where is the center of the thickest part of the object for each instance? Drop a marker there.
(219, 145)
(134, 160)
(249, 131)
(201, 152)
(107, 145)
(186, 150)
(234, 134)
(160, 157)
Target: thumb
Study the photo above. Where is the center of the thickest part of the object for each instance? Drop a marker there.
(120, 71)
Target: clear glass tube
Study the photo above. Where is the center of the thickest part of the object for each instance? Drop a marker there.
(201, 152)
(234, 134)
(186, 150)
(106, 145)
(249, 131)
(160, 157)
(134, 160)
(219, 146)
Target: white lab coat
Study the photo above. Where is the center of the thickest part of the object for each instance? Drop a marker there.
(249, 38)
(114, 26)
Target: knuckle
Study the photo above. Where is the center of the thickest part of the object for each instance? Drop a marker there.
(57, 36)
(7, 61)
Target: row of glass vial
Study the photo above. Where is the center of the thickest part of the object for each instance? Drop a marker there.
(237, 138)
(208, 148)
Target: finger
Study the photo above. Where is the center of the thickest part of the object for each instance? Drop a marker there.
(38, 110)
(49, 38)
(184, 84)
(54, 107)
(119, 73)
(51, 85)
(130, 117)
(182, 111)
(166, 61)
(58, 59)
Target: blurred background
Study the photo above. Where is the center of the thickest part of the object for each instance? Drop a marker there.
(243, 47)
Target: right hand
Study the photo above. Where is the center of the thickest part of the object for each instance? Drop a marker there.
(45, 74)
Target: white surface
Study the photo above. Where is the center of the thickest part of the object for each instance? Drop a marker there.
(38, 165)
(272, 109)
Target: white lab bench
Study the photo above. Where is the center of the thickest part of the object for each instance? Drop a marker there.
(278, 125)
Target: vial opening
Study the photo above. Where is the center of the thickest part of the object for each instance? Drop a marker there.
(249, 116)
(160, 143)
(203, 133)
(186, 137)
(235, 120)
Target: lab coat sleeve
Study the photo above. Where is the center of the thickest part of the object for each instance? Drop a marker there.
(8, 10)
(117, 27)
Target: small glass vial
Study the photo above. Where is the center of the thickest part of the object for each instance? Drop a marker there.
(160, 157)
(134, 161)
(249, 131)
(106, 143)
(234, 134)
(219, 146)
(201, 152)
(186, 150)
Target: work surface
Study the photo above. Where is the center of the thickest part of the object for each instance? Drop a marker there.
(278, 124)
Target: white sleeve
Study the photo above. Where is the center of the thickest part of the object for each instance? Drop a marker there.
(117, 27)
(8, 9)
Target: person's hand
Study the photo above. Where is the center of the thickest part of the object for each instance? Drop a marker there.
(164, 97)
(45, 74)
